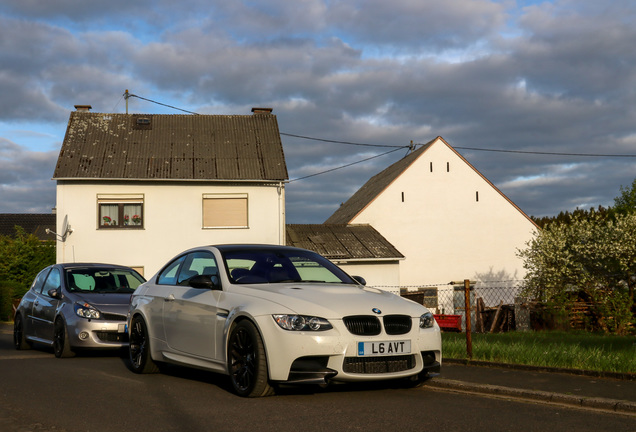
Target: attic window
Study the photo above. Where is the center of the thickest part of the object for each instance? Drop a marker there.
(141, 122)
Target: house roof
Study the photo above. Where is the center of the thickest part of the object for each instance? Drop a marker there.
(35, 224)
(348, 242)
(172, 147)
(378, 183)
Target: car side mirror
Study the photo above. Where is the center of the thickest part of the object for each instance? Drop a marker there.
(359, 279)
(210, 282)
(55, 293)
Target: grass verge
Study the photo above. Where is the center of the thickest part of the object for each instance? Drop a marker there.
(571, 350)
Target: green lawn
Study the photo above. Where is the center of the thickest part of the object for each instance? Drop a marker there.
(572, 350)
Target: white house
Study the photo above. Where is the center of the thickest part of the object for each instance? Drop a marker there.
(136, 189)
(450, 222)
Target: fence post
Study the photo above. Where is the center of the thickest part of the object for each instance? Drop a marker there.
(467, 310)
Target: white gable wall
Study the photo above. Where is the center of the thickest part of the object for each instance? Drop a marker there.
(442, 229)
(173, 220)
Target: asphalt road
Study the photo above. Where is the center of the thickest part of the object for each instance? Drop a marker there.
(98, 393)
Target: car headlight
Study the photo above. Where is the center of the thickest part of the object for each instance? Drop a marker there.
(85, 310)
(427, 320)
(302, 322)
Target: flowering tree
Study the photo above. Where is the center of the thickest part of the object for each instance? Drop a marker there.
(592, 256)
(626, 202)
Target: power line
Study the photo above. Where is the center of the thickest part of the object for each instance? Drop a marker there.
(345, 166)
(397, 147)
(129, 95)
(545, 153)
(342, 142)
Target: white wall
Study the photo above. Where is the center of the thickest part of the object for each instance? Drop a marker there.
(383, 275)
(444, 232)
(172, 221)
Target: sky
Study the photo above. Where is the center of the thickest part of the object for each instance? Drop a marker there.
(551, 86)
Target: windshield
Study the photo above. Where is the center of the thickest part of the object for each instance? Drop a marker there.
(281, 266)
(99, 280)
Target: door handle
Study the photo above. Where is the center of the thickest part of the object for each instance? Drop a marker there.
(170, 298)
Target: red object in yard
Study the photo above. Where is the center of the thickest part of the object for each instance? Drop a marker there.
(449, 322)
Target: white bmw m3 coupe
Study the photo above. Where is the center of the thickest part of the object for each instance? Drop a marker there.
(266, 315)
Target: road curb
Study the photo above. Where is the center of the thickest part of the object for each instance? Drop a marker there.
(619, 406)
(625, 376)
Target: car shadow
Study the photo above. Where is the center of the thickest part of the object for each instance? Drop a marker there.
(223, 381)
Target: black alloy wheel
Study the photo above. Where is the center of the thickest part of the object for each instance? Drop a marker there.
(247, 365)
(61, 346)
(19, 338)
(139, 348)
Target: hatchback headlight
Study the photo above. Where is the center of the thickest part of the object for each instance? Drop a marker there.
(427, 320)
(85, 310)
(302, 322)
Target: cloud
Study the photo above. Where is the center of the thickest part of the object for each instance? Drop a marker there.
(547, 77)
(25, 179)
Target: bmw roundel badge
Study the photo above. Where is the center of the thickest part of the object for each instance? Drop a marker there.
(376, 311)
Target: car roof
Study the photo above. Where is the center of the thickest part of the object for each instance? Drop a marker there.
(254, 247)
(91, 265)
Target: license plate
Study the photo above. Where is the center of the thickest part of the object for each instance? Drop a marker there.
(384, 348)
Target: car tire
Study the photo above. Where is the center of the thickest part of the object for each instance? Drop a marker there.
(61, 346)
(247, 363)
(19, 336)
(139, 348)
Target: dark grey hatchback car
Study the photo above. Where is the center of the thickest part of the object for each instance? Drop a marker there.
(76, 306)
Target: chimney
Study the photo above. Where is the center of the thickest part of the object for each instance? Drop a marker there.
(262, 110)
(83, 108)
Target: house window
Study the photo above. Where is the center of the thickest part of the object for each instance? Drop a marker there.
(120, 211)
(225, 211)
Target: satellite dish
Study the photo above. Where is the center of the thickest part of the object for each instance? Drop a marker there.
(66, 230)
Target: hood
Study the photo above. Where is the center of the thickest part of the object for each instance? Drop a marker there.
(333, 301)
(110, 302)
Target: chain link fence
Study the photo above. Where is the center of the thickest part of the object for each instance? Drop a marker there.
(494, 306)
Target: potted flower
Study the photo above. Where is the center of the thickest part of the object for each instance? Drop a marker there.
(126, 219)
(107, 220)
(136, 219)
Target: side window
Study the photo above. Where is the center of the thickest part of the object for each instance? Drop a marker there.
(52, 282)
(38, 283)
(197, 263)
(169, 274)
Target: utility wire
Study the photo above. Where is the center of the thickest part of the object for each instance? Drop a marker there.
(397, 147)
(342, 142)
(345, 166)
(546, 153)
(129, 95)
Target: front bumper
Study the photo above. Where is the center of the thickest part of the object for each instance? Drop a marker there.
(319, 357)
(97, 334)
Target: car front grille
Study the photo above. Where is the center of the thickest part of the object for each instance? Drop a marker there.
(378, 365)
(369, 325)
(397, 324)
(363, 325)
(111, 336)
